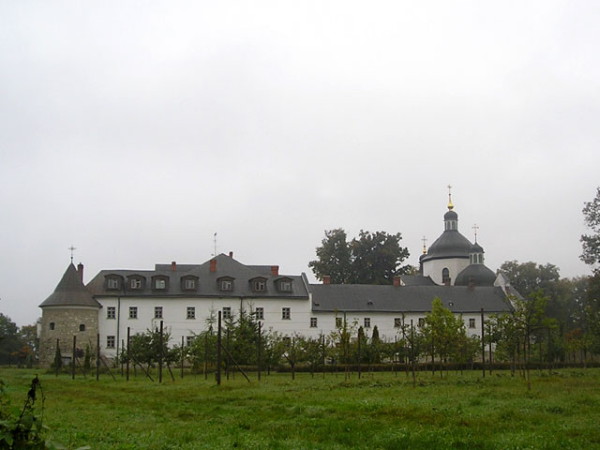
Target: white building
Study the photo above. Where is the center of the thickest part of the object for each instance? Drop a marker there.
(187, 297)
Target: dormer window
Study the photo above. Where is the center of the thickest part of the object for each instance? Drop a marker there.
(225, 284)
(284, 285)
(113, 282)
(258, 284)
(189, 283)
(136, 282)
(160, 283)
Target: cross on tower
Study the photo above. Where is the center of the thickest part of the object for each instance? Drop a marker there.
(475, 229)
(424, 239)
(72, 250)
(450, 205)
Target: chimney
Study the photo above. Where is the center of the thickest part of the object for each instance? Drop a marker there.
(471, 283)
(397, 281)
(275, 271)
(213, 265)
(231, 254)
(326, 279)
(173, 266)
(80, 271)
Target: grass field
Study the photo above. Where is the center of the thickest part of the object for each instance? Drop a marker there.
(381, 410)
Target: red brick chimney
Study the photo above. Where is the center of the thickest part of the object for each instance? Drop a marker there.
(397, 281)
(275, 270)
(173, 266)
(80, 271)
(213, 265)
(326, 279)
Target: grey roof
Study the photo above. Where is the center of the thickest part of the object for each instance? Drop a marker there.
(451, 244)
(70, 291)
(417, 280)
(479, 274)
(416, 299)
(226, 267)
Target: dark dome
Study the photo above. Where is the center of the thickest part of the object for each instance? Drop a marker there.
(450, 215)
(451, 244)
(478, 274)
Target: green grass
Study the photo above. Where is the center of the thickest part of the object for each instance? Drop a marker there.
(381, 410)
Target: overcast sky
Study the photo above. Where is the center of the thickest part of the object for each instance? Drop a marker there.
(135, 130)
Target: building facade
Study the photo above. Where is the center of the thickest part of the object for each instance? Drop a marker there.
(187, 298)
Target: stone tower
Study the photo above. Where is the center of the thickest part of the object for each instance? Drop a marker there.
(70, 311)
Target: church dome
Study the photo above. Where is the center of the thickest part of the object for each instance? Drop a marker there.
(451, 215)
(477, 274)
(451, 244)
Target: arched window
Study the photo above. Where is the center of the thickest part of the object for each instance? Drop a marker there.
(445, 276)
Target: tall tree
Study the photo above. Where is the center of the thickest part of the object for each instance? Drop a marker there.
(528, 277)
(334, 257)
(377, 257)
(591, 242)
(372, 258)
(9, 339)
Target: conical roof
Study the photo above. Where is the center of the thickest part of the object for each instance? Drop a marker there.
(70, 291)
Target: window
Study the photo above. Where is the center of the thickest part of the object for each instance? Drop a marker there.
(82, 327)
(113, 283)
(226, 285)
(421, 321)
(158, 312)
(445, 276)
(111, 312)
(188, 284)
(160, 283)
(226, 312)
(471, 323)
(367, 322)
(259, 313)
(52, 325)
(110, 342)
(313, 322)
(259, 284)
(133, 312)
(338, 322)
(191, 312)
(397, 322)
(284, 285)
(189, 340)
(286, 314)
(135, 283)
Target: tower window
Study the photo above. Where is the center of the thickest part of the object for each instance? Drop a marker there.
(82, 327)
(445, 276)
(52, 325)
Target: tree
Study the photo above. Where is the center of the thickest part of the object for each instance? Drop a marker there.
(528, 277)
(373, 258)
(9, 339)
(334, 257)
(591, 242)
(445, 333)
(377, 257)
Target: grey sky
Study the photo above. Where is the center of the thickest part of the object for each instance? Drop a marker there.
(136, 130)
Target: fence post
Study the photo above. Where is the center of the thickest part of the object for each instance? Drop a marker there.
(219, 350)
(97, 356)
(482, 344)
(73, 357)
